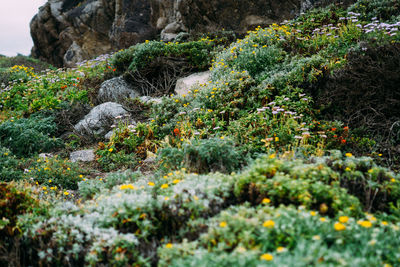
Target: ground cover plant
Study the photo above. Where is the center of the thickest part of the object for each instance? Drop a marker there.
(288, 156)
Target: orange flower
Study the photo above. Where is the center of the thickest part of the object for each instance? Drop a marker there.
(177, 132)
(343, 141)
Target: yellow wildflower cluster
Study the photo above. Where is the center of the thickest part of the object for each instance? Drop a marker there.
(22, 68)
(127, 187)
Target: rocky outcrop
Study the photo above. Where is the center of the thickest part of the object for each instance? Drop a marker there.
(65, 32)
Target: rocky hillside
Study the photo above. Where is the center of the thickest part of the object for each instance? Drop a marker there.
(68, 31)
(281, 148)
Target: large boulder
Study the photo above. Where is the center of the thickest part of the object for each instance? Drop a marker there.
(67, 31)
(116, 90)
(184, 85)
(100, 118)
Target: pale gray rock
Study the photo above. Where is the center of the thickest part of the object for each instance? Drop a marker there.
(184, 85)
(100, 119)
(82, 155)
(116, 90)
(108, 135)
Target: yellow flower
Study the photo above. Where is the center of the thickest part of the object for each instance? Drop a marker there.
(339, 227)
(127, 186)
(349, 155)
(322, 219)
(44, 188)
(80, 176)
(176, 181)
(223, 224)
(266, 201)
(111, 150)
(222, 137)
(276, 139)
(269, 224)
(384, 223)
(151, 184)
(272, 156)
(164, 186)
(280, 249)
(393, 180)
(166, 198)
(313, 213)
(66, 193)
(365, 224)
(343, 219)
(266, 257)
(169, 245)
(50, 181)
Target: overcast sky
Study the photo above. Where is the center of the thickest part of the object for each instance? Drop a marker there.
(15, 16)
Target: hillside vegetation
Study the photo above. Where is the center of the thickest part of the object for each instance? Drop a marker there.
(289, 156)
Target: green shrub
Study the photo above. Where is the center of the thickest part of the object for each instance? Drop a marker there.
(196, 53)
(90, 187)
(154, 67)
(384, 10)
(203, 156)
(332, 183)
(264, 236)
(127, 144)
(28, 136)
(9, 166)
(55, 174)
(35, 64)
(276, 180)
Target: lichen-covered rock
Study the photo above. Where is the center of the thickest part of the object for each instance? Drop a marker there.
(67, 31)
(116, 90)
(100, 119)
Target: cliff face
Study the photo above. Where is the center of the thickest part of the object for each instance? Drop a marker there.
(65, 32)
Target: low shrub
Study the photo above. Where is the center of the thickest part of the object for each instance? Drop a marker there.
(10, 169)
(28, 136)
(35, 64)
(203, 156)
(154, 66)
(90, 187)
(285, 236)
(55, 174)
(127, 144)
